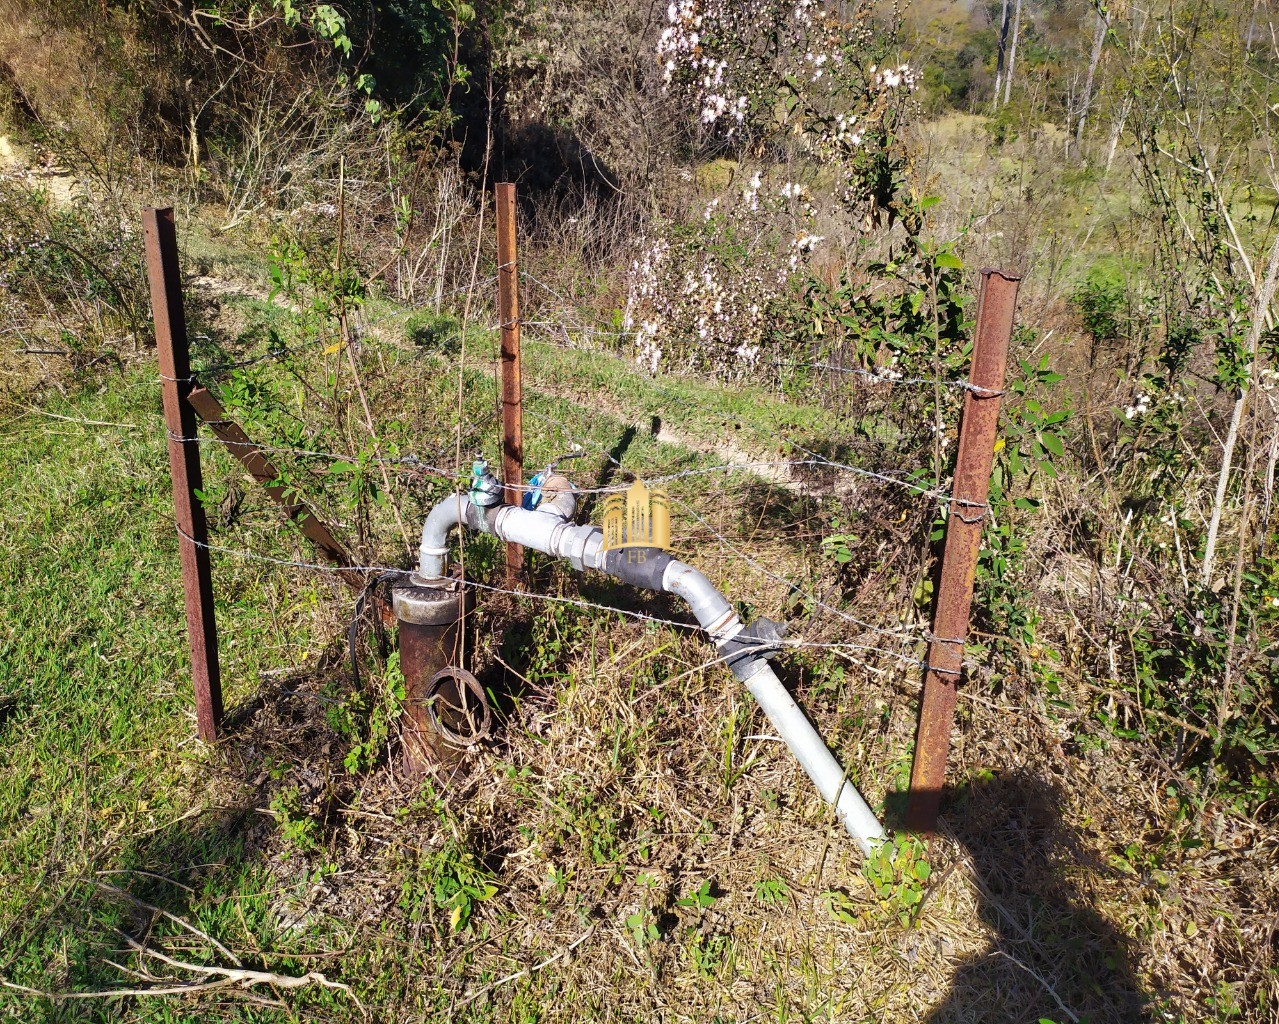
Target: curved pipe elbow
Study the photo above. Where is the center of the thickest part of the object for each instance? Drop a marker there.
(541, 529)
(455, 510)
(712, 611)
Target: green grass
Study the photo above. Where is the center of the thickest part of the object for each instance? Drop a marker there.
(101, 773)
(104, 783)
(630, 770)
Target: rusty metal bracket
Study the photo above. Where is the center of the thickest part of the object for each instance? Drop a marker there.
(264, 471)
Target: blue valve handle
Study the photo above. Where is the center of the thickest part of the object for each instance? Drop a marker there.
(533, 496)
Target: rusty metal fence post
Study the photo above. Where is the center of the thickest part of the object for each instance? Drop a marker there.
(184, 465)
(508, 301)
(966, 517)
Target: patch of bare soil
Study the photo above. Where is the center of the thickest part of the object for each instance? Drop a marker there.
(42, 173)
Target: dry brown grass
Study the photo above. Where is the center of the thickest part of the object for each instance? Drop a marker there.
(628, 771)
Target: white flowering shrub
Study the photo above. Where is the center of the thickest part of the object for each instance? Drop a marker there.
(709, 296)
(806, 94)
(809, 80)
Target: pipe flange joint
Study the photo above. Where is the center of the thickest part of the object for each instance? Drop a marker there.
(438, 603)
(588, 554)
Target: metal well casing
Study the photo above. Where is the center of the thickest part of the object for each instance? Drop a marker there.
(431, 621)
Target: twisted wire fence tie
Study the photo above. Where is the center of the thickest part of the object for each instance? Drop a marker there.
(984, 506)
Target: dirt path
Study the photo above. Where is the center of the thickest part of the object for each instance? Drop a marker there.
(771, 466)
(18, 165)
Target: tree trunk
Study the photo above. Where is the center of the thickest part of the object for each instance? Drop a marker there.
(1264, 296)
(1000, 53)
(1012, 53)
(1117, 130)
(1098, 40)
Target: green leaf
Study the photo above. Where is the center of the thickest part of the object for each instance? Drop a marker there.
(1053, 443)
(949, 261)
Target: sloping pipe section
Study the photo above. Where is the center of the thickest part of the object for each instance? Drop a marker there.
(549, 529)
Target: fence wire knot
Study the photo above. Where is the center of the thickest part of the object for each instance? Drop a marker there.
(968, 503)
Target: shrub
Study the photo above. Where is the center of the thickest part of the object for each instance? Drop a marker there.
(433, 330)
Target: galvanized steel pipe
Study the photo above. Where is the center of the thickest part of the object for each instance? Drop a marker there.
(549, 529)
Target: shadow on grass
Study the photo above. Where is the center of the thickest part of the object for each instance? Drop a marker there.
(1055, 957)
(608, 471)
(73, 944)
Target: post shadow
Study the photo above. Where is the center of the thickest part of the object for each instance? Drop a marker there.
(607, 472)
(1031, 863)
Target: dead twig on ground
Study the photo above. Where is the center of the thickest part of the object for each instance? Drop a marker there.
(529, 970)
(186, 925)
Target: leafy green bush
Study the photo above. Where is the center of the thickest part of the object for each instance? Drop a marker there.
(897, 871)
(70, 278)
(437, 331)
(1102, 301)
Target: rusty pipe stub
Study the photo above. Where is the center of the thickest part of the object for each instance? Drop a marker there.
(431, 621)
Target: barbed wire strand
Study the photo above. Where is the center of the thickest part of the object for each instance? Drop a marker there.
(814, 458)
(880, 377)
(409, 310)
(411, 461)
(902, 633)
(689, 627)
(32, 411)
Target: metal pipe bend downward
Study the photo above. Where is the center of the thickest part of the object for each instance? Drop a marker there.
(746, 650)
